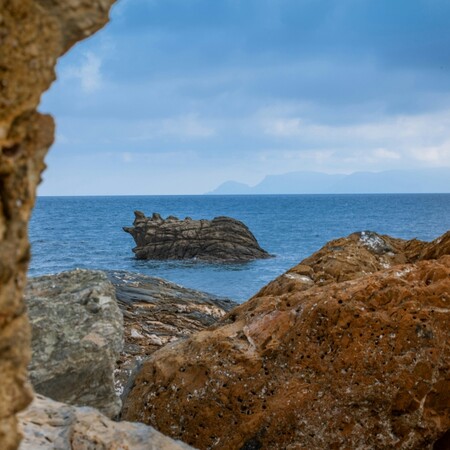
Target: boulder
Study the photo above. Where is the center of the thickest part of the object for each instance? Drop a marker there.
(155, 313)
(50, 425)
(347, 350)
(221, 239)
(77, 336)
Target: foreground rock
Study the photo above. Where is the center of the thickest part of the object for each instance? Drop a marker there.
(77, 336)
(157, 312)
(354, 256)
(341, 352)
(221, 239)
(50, 425)
(33, 35)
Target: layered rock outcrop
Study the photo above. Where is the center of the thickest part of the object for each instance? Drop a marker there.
(77, 337)
(157, 312)
(33, 34)
(91, 330)
(50, 425)
(340, 352)
(221, 239)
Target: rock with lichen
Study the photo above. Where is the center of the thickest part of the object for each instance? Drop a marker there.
(349, 349)
(77, 337)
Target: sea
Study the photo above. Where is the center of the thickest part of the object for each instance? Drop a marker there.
(86, 232)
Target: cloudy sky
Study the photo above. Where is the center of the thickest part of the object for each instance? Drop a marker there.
(177, 96)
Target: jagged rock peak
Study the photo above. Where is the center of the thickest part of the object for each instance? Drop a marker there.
(221, 239)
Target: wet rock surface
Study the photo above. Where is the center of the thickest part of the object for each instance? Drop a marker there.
(77, 336)
(157, 312)
(50, 425)
(349, 349)
(221, 239)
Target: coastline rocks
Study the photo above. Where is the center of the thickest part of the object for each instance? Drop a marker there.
(221, 239)
(354, 256)
(350, 358)
(50, 425)
(157, 312)
(77, 336)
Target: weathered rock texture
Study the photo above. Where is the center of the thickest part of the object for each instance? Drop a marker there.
(33, 34)
(157, 312)
(77, 337)
(50, 425)
(340, 352)
(220, 239)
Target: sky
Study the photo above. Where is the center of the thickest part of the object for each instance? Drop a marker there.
(178, 96)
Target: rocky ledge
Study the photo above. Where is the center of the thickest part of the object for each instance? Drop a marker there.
(349, 349)
(221, 239)
(50, 425)
(157, 312)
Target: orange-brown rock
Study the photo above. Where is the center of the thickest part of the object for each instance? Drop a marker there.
(156, 312)
(33, 34)
(356, 357)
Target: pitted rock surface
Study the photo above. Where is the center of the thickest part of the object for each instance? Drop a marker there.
(359, 360)
(157, 312)
(221, 239)
(77, 337)
(50, 425)
(354, 256)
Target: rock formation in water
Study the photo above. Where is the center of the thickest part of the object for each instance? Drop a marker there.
(50, 425)
(77, 336)
(349, 349)
(221, 239)
(33, 34)
(157, 312)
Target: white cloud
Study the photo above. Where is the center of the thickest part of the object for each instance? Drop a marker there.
(433, 155)
(185, 127)
(88, 72)
(393, 129)
(382, 153)
(188, 126)
(61, 139)
(127, 157)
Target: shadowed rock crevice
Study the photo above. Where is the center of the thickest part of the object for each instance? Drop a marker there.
(222, 239)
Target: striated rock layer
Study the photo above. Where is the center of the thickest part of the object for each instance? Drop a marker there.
(220, 239)
(77, 337)
(155, 313)
(33, 34)
(347, 350)
(50, 425)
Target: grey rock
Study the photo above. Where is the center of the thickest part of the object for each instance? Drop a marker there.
(221, 239)
(50, 425)
(77, 336)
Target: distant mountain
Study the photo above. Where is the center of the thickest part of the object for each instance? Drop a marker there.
(436, 180)
(231, 188)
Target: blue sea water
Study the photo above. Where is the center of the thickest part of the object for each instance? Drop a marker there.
(70, 232)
